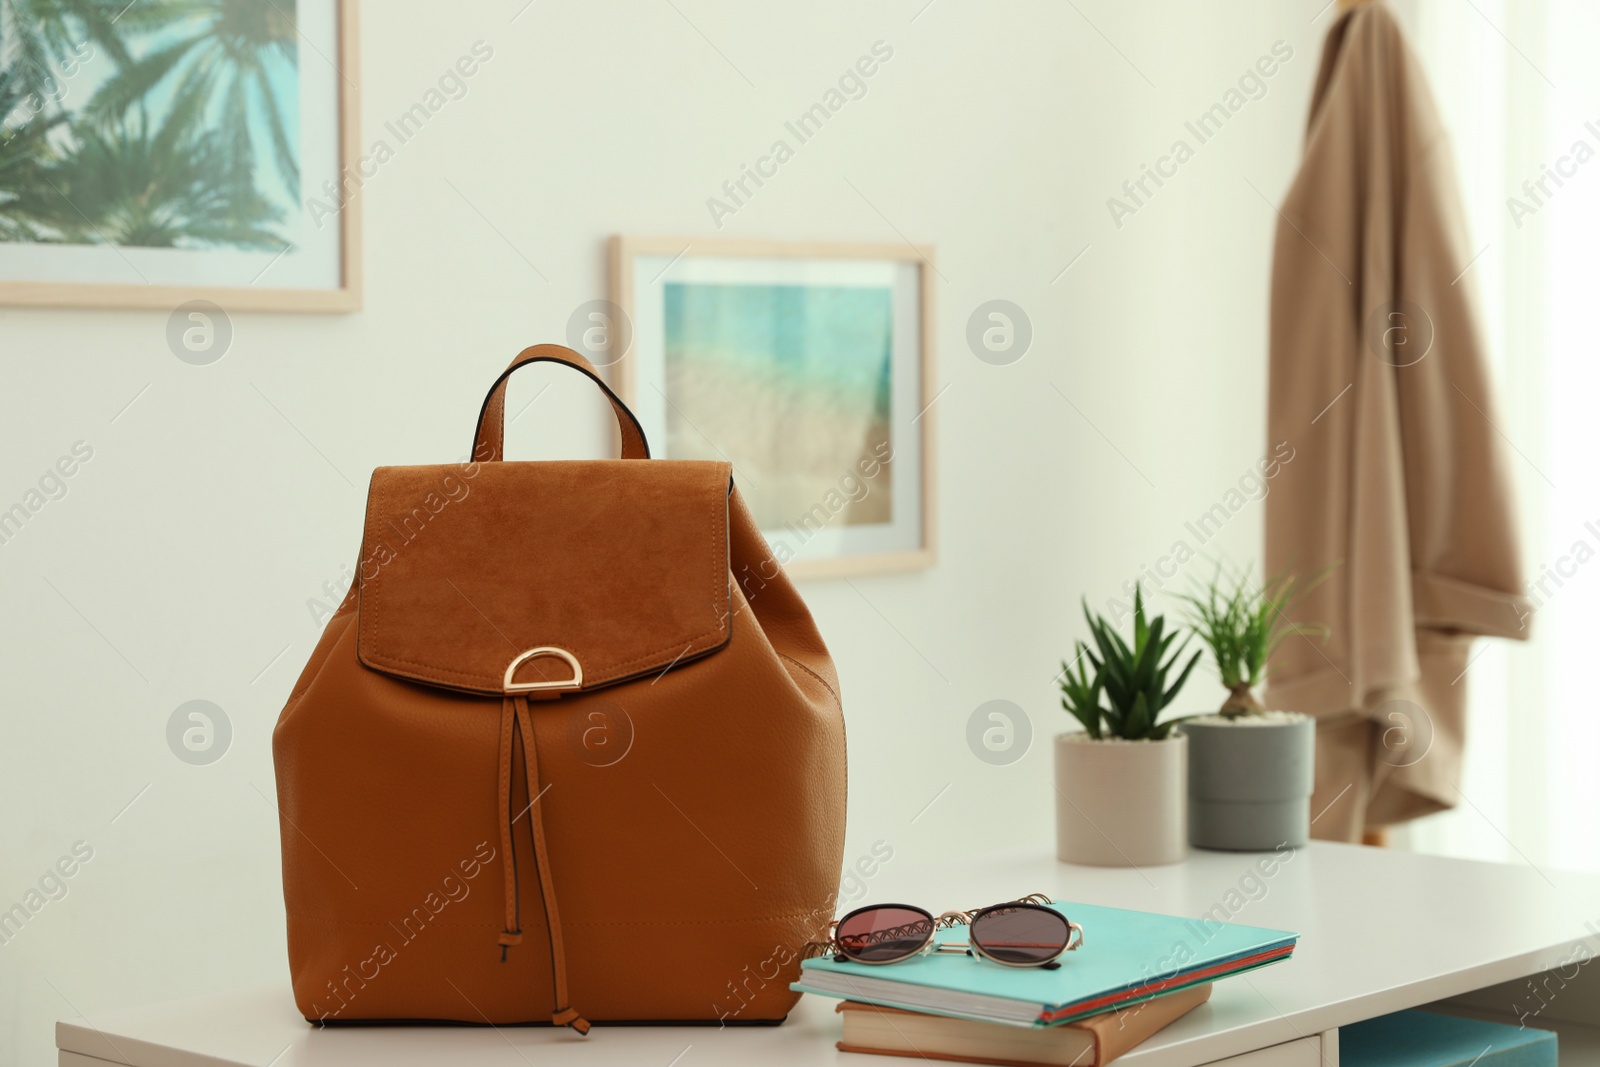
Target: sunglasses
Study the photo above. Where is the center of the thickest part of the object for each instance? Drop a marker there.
(1018, 933)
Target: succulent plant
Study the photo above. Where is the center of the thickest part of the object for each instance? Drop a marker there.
(1132, 678)
(1080, 694)
(1243, 626)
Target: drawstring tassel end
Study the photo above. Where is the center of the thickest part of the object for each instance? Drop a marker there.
(509, 939)
(570, 1017)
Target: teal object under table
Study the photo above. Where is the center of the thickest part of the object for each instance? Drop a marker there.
(1428, 1039)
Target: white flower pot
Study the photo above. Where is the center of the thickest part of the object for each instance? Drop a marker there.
(1121, 803)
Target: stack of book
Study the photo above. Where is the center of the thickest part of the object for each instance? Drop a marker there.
(1091, 1042)
(1135, 973)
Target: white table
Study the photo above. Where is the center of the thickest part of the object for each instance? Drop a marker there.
(1380, 931)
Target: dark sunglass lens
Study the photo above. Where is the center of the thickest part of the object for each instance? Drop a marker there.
(1020, 934)
(879, 935)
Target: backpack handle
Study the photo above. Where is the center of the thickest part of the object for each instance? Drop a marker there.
(488, 442)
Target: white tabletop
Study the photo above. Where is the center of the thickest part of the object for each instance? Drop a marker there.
(1380, 931)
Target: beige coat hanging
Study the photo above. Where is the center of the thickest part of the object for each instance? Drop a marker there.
(1400, 481)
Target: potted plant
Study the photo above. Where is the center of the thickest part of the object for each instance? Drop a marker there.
(1120, 782)
(1250, 769)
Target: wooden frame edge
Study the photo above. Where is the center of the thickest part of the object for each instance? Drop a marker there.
(619, 290)
(348, 297)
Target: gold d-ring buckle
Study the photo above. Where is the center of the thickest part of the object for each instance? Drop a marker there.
(575, 682)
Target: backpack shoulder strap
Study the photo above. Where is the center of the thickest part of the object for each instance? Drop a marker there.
(488, 442)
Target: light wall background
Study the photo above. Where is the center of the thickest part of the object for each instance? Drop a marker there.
(180, 562)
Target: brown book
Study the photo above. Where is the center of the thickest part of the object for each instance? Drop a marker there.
(1091, 1042)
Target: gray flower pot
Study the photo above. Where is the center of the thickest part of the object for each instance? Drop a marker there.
(1250, 783)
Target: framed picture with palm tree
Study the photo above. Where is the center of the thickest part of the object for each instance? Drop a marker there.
(161, 151)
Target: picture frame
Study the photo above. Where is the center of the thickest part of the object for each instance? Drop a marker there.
(799, 362)
(226, 261)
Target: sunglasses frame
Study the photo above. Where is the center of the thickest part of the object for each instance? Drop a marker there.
(931, 945)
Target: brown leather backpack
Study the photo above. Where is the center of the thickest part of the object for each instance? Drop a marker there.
(571, 744)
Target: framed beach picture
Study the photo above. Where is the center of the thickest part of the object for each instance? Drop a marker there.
(155, 153)
(809, 367)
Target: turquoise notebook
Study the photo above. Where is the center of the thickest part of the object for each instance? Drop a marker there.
(1427, 1039)
(1126, 957)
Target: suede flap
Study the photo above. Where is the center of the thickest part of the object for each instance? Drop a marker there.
(623, 564)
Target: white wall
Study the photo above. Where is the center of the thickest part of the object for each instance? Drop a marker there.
(179, 564)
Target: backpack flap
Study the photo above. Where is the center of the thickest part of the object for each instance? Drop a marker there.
(571, 575)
